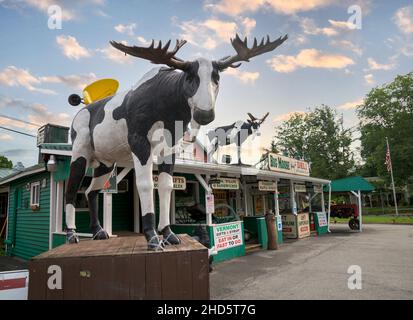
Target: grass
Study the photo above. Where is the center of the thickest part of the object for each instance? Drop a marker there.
(380, 219)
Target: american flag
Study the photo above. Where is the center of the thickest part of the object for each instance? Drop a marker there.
(388, 159)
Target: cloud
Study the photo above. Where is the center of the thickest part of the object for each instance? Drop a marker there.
(18, 152)
(336, 27)
(5, 137)
(403, 18)
(309, 58)
(74, 81)
(237, 7)
(346, 44)
(212, 32)
(128, 29)
(287, 116)
(143, 42)
(12, 76)
(71, 48)
(115, 55)
(351, 105)
(36, 113)
(369, 78)
(373, 65)
(69, 7)
(244, 77)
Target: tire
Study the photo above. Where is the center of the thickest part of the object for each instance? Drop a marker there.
(354, 224)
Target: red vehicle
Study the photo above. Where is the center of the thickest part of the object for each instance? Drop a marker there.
(347, 211)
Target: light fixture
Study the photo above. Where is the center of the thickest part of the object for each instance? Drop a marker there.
(52, 164)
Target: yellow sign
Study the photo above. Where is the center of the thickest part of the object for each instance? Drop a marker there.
(226, 184)
(179, 182)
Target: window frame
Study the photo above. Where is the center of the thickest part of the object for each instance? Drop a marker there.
(33, 187)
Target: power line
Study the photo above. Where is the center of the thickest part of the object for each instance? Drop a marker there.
(16, 131)
(16, 119)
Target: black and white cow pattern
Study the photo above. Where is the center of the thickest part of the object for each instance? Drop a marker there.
(125, 128)
(120, 128)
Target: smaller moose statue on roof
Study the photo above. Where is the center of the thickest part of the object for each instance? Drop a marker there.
(236, 133)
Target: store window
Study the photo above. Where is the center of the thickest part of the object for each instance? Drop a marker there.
(184, 199)
(35, 193)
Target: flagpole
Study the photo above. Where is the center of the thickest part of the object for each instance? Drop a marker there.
(392, 179)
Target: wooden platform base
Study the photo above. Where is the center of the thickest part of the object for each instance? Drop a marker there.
(121, 268)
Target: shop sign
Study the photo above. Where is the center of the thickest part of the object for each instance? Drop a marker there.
(111, 185)
(318, 189)
(300, 188)
(289, 226)
(322, 219)
(267, 186)
(226, 184)
(279, 224)
(179, 182)
(228, 235)
(303, 225)
(281, 163)
(210, 203)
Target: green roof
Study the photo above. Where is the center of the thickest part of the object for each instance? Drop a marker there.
(56, 146)
(4, 172)
(350, 184)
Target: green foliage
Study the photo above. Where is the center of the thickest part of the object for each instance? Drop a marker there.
(388, 112)
(5, 163)
(320, 138)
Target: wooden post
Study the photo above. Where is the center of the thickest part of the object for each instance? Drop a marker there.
(59, 207)
(107, 212)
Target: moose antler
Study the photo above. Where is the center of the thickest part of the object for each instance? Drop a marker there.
(156, 55)
(264, 117)
(244, 53)
(251, 117)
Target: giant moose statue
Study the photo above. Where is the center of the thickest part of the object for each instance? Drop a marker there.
(120, 128)
(235, 133)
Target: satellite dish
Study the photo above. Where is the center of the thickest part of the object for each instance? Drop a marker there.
(99, 89)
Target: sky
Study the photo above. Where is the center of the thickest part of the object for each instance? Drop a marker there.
(336, 52)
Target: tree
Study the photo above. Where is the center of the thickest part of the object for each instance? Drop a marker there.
(387, 111)
(5, 163)
(319, 138)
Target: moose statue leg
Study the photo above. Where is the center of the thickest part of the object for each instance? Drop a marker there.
(144, 182)
(100, 175)
(77, 172)
(165, 188)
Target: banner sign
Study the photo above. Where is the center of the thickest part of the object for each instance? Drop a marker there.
(300, 188)
(179, 182)
(210, 203)
(228, 235)
(226, 184)
(281, 163)
(267, 186)
(322, 219)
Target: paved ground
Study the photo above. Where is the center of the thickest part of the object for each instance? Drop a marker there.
(316, 267)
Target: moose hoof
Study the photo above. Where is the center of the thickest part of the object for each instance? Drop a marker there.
(71, 236)
(169, 238)
(100, 234)
(154, 243)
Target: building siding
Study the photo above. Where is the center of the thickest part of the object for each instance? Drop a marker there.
(28, 230)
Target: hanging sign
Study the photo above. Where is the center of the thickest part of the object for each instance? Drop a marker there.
(318, 189)
(226, 184)
(267, 186)
(281, 163)
(228, 235)
(210, 203)
(300, 188)
(179, 182)
(111, 185)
